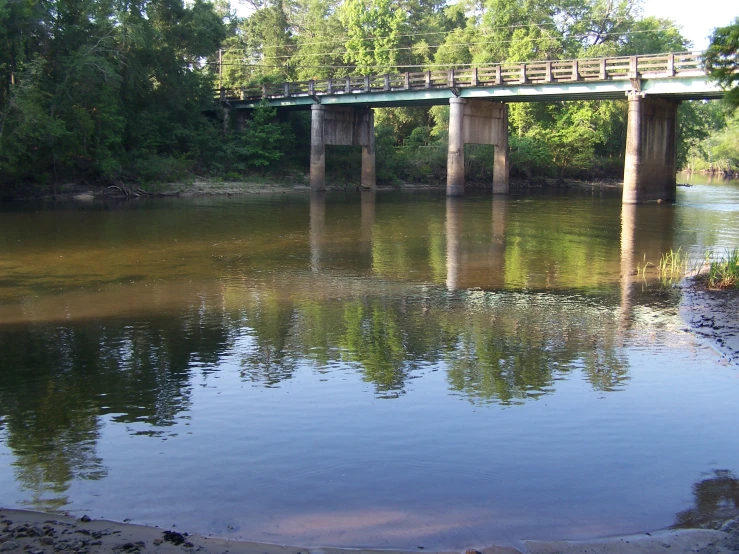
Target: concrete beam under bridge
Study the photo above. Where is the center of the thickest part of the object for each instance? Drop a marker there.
(477, 122)
(346, 126)
(651, 142)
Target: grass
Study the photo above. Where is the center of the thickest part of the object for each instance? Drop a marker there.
(716, 272)
(723, 273)
(671, 268)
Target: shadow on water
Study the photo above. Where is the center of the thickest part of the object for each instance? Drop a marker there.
(715, 499)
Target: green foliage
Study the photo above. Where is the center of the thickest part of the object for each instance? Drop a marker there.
(722, 60)
(716, 148)
(264, 140)
(373, 32)
(724, 271)
(101, 89)
(530, 158)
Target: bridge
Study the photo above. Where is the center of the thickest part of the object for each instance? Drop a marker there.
(478, 98)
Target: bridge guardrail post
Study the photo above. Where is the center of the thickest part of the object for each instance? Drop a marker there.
(498, 75)
(474, 81)
(348, 88)
(330, 86)
(602, 69)
(428, 79)
(386, 85)
(450, 79)
(407, 78)
(633, 67)
(670, 65)
(523, 74)
(311, 87)
(264, 91)
(548, 72)
(575, 70)
(367, 87)
(287, 90)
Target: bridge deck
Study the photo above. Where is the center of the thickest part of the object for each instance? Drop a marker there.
(671, 75)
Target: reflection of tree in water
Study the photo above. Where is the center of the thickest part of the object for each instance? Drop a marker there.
(58, 381)
(716, 500)
(268, 359)
(511, 350)
(374, 338)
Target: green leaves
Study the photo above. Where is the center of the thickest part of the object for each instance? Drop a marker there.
(722, 60)
(374, 29)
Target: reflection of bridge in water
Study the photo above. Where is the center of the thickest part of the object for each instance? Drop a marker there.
(478, 99)
(478, 251)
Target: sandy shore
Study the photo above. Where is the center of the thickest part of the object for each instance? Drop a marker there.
(713, 315)
(36, 533)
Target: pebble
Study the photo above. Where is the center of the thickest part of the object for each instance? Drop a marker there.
(8, 546)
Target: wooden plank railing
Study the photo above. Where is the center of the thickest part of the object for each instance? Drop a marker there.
(529, 73)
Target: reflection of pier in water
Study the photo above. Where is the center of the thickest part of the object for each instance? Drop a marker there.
(647, 232)
(472, 263)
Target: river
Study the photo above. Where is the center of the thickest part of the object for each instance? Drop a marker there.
(390, 369)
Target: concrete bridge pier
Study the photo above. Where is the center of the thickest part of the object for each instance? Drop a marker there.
(477, 122)
(346, 126)
(651, 142)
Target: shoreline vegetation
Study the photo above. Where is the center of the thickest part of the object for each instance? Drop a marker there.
(43, 533)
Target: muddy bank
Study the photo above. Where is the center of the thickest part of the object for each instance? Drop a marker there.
(713, 315)
(38, 533)
(83, 192)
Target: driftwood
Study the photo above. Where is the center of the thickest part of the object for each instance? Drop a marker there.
(129, 191)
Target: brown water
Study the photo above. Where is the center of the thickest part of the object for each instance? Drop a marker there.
(388, 370)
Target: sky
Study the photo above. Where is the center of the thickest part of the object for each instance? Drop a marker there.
(697, 18)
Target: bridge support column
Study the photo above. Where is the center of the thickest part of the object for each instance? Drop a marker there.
(455, 154)
(651, 141)
(478, 122)
(317, 147)
(341, 125)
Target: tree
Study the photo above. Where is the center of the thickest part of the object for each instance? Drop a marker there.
(722, 60)
(374, 29)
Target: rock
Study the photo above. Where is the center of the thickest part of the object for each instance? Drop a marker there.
(8, 546)
(48, 541)
(174, 537)
(472, 551)
(85, 519)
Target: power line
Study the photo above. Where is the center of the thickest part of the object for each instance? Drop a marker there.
(430, 33)
(454, 45)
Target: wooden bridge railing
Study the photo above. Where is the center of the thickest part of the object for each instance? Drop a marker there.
(530, 73)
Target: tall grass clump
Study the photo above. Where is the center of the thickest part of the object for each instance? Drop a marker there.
(723, 272)
(672, 267)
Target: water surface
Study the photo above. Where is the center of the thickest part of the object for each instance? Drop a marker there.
(379, 369)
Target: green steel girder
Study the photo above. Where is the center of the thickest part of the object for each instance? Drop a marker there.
(679, 88)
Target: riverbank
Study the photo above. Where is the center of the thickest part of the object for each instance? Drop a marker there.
(84, 192)
(712, 315)
(40, 533)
